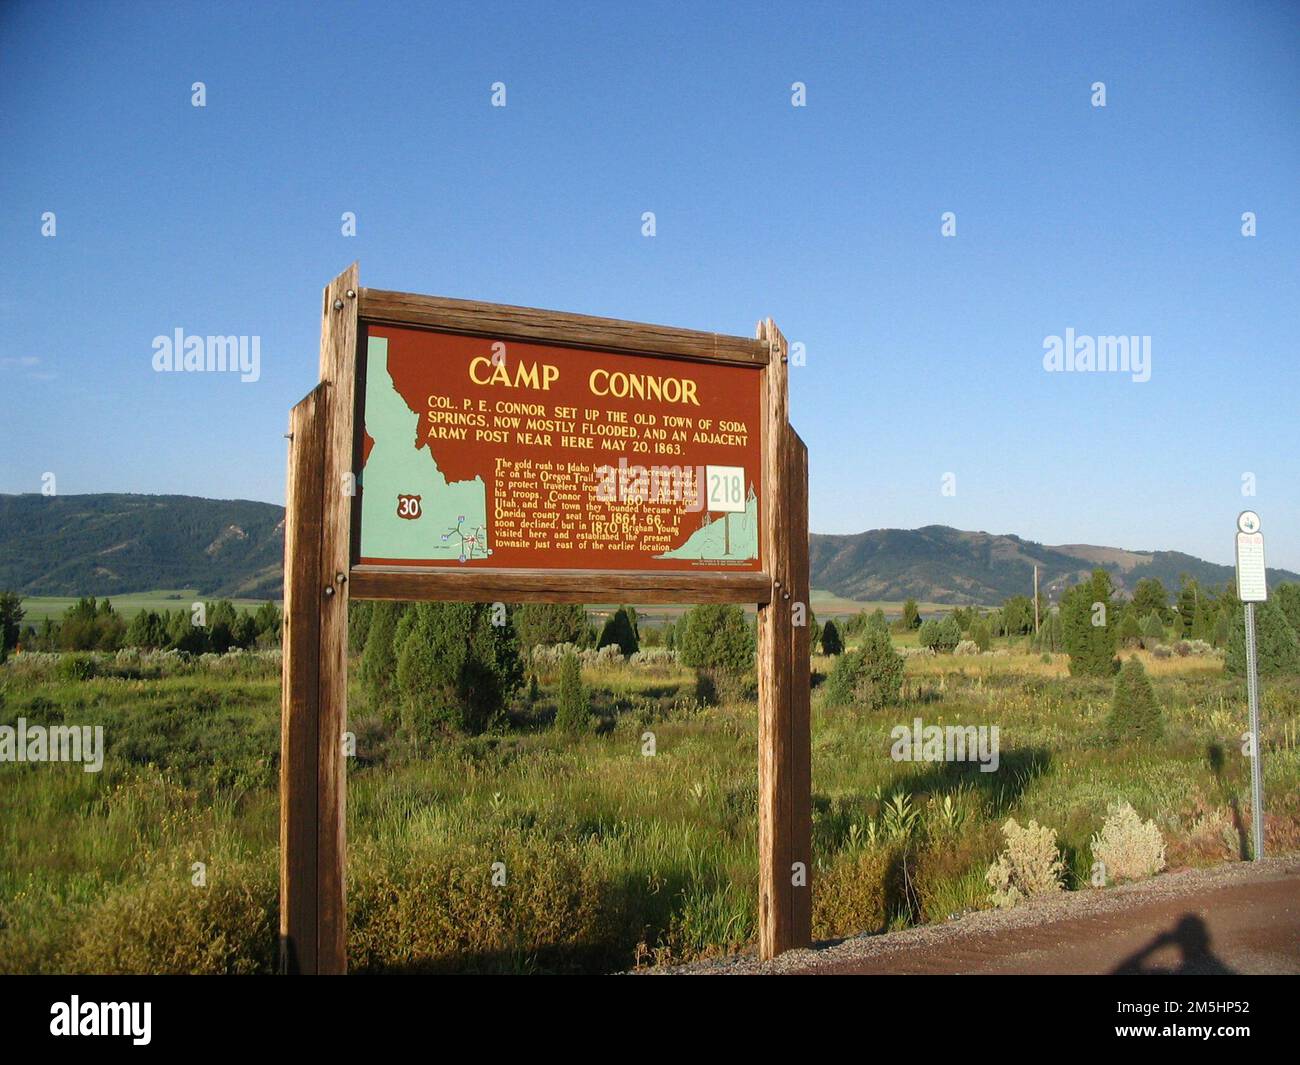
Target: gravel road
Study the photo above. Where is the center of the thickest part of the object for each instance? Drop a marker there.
(1238, 918)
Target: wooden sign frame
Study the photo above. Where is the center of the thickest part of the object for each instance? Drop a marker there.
(320, 577)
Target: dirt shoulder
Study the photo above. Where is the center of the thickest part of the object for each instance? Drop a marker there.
(1239, 918)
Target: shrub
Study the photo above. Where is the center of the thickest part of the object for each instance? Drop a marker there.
(654, 656)
(78, 667)
(1134, 713)
(966, 647)
(427, 906)
(871, 676)
(165, 925)
(1128, 847)
(980, 634)
(940, 636)
(573, 714)
(607, 656)
(854, 891)
(455, 667)
(1031, 865)
(717, 636)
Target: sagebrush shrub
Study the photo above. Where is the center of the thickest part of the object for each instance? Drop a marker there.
(1128, 847)
(1031, 865)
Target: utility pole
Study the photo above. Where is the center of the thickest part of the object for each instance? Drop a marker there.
(1035, 598)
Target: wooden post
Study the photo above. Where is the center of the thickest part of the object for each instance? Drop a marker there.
(313, 773)
(338, 353)
(800, 697)
(784, 801)
(300, 677)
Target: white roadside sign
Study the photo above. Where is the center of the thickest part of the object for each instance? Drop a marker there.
(1252, 584)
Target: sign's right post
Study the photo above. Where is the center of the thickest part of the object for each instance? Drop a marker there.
(784, 742)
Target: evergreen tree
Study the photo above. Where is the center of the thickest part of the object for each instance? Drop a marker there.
(1018, 615)
(1153, 630)
(455, 668)
(377, 673)
(1150, 595)
(911, 615)
(831, 642)
(11, 619)
(1051, 634)
(221, 619)
(620, 631)
(184, 635)
(269, 624)
(1088, 626)
(1287, 598)
(547, 624)
(245, 631)
(1276, 648)
(146, 631)
(716, 636)
(1134, 713)
(1222, 629)
(359, 615)
(573, 712)
(1129, 631)
(1189, 596)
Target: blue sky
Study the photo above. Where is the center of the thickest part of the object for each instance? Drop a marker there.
(924, 352)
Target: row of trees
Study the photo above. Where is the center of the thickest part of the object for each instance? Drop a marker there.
(1092, 625)
(427, 667)
(93, 624)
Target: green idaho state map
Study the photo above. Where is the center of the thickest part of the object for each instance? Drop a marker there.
(453, 517)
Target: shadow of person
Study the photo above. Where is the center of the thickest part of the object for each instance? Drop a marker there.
(1192, 940)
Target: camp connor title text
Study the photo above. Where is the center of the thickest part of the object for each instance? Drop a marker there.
(617, 383)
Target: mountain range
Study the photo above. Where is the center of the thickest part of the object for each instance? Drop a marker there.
(111, 544)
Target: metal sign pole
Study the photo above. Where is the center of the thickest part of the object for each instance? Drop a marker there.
(1252, 588)
(1256, 770)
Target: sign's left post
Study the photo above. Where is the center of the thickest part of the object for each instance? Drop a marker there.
(313, 717)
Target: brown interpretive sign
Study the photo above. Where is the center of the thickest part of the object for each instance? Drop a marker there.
(477, 452)
(512, 454)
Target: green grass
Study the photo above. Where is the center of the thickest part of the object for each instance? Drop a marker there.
(612, 858)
